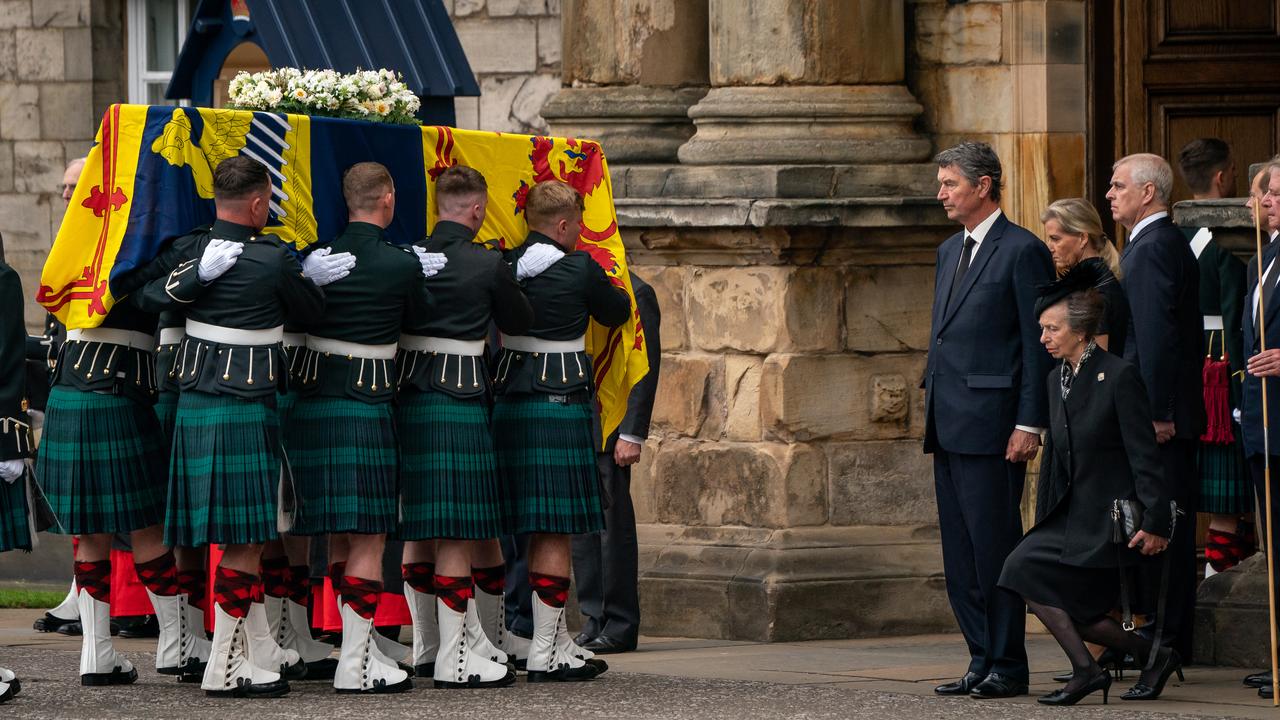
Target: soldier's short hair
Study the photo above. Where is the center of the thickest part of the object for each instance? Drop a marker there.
(974, 160)
(239, 177)
(552, 200)
(460, 181)
(364, 184)
(1200, 160)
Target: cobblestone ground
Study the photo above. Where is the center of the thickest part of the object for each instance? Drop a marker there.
(50, 689)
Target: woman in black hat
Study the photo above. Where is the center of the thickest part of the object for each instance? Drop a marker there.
(1099, 452)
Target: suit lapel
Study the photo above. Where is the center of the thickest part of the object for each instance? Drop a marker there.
(1151, 226)
(979, 261)
(947, 275)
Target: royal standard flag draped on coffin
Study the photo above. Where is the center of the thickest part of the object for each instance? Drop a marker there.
(149, 179)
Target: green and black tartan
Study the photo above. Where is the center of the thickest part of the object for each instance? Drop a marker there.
(449, 474)
(1224, 479)
(101, 463)
(343, 455)
(547, 460)
(284, 405)
(166, 409)
(224, 471)
(15, 519)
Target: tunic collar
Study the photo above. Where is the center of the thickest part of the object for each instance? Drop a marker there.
(363, 229)
(227, 230)
(537, 237)
(448, 231)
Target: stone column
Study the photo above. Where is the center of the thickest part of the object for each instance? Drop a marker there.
(631, 70)
(806, 81)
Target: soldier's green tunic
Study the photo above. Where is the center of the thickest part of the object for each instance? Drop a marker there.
(542, 416)
(1224, 476)
(225, 469)
(341, 435)
(449, 476)
(15, 426)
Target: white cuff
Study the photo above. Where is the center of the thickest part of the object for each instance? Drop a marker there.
(1028, 428)
(631, 438)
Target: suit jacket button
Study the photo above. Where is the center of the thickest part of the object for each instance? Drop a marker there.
(939, 341)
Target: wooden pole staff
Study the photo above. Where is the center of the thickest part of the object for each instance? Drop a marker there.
(1266, 473)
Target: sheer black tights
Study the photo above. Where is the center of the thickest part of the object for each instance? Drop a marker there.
(1105, 631)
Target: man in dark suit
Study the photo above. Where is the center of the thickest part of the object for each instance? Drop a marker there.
(1257, 443)
(606, 563)
(985, 410)
(1166, 342)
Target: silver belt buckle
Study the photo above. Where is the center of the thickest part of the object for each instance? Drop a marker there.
(559, 399)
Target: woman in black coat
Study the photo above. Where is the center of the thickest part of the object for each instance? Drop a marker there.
(1100, 447)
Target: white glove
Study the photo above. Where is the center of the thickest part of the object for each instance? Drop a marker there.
(322, 267)
(432, 263)
(11, 470)
(536, 259)
(219, 256)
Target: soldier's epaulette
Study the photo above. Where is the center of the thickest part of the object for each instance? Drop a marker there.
(490, 244)
(271, 239)
(401, 248)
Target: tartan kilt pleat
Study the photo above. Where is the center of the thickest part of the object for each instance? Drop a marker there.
(343, 455)
(1224, 479)
(547, 463)
(15, 517)
(101, 463)
(224, 471)
(449, 474)
(166, 409)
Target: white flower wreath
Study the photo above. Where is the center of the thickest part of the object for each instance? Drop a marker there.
(378, 95)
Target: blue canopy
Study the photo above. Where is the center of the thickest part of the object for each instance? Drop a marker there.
(413, 37)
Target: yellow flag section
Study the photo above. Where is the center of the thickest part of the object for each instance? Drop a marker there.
(511, 165)
(73, 285)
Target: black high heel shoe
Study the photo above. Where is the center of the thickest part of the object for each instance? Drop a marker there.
(1101, 681)
(1109, 660)
(1142, 691)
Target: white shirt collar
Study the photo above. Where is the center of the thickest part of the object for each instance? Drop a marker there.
(979, 233)
(1145, 222)
(1274, 233)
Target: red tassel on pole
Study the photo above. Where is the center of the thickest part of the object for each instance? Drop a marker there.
(1217, 400)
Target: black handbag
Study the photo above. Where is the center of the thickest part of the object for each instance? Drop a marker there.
(1126, 521)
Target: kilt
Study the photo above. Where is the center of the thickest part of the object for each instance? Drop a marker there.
(546, 456)
(449, 475)
(224, 471)
(101, 463)
(1224, 479)
(343, 456)
(15, 520)
(284, 406)
(166, 408)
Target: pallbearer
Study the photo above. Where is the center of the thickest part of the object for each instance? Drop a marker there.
(542, 416)
(225, 470)
(341, 434)
(450, 486)
(15, 436)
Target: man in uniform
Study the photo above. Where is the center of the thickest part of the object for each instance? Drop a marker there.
(1210, 172)
(341, 430)
(606, 564)
(451, 490)
(225, 465)
(542, 422)
(16, 445)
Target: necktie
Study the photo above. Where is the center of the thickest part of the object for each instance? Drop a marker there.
(966, 255)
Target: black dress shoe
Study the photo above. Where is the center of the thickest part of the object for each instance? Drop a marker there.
(1257, 680)
(582, 638)
(145, 626)
(1266, 691)
(961, 686)
(75, 629)
(997, 686)
(51, 623)
(605, 645)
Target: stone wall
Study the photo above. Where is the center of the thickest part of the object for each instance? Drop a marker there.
(1011, 73)
(61, 64)
(514, 49)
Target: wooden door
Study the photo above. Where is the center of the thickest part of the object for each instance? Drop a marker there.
(1183, 69)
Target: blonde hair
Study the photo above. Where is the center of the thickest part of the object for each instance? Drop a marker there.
(552, 200)
(1078, 217)
(364, 184)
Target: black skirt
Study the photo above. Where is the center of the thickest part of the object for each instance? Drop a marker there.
(1035, 571)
